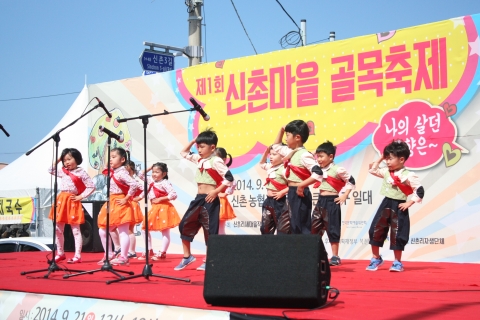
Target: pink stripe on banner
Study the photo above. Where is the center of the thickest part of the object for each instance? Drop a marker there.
(470, 68)
(257, 149)
(186, 96)
(358, 137)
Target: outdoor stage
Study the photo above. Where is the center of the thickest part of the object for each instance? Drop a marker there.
(424, 290)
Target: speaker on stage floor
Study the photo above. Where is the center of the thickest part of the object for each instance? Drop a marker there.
(284, 271)
(90, 236)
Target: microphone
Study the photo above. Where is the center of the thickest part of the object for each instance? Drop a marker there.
(100, 103)
(115, 136)
(5, 131)
(199, 109)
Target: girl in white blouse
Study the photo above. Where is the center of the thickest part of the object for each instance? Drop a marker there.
(122, 188)
(162, 216)
(75, 185)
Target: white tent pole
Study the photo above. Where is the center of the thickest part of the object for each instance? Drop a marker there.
(37, 209)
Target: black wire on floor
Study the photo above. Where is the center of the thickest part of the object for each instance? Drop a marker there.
(333, 294)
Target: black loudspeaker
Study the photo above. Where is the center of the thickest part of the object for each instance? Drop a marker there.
(90, 236)
(284, 271)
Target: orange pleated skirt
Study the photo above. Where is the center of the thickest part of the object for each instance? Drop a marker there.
(162, 216)
(68, 211)
(137, 212)
(119, 214)
(226, 210)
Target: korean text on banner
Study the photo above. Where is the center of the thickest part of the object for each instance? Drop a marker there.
(17, 210)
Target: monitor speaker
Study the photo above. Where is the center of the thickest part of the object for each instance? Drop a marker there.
(90, 236)
(283, 271)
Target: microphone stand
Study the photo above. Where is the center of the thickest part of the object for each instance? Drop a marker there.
(4, 131)
(147, 269)
(106, 263)
(53, 266)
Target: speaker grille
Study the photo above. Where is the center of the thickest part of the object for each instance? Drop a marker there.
(89, 230)
(289, 271)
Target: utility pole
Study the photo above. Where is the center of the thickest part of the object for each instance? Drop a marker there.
(332, 36)
(303, 31)
(194, 49)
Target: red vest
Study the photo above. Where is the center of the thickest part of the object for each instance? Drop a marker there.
(137, 193)
(214, 174)
(407, 190)
(276, 184)
(336, 184)
(302, 173)
(121, 185)
(158, 193)
(76, 181)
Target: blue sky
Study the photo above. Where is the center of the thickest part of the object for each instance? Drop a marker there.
(48, 47)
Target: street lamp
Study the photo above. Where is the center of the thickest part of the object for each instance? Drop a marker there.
(182, 53)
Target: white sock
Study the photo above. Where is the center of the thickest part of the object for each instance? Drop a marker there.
(133, 242)
(115, 239)
(60, 239)
(103, 239)
(77, 235)
(149, 239)
(165, 240)
(124, 239)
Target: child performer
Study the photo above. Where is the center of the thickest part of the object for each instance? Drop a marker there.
(137, 212)
(138, 217)
(274, 209)
(75, 185)
(212, 177)
(226, 210)
(301, 170)
(162, 216)
(122, 188)
(327, 213)
(398, 184)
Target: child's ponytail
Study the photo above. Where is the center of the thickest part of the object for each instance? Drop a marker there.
(222, 153)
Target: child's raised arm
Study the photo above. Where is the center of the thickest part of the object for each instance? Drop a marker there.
(265, 155)
(376, 163)
(53, 168)
(373, 167)
(279, 137)
(143, 173)
(187, 148)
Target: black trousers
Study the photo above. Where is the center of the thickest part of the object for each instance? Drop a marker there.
(327, 216)
(300, 209)
(275, 216)
(389, 216)
(200, 214)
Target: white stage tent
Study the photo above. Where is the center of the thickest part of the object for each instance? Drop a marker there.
(27, 174)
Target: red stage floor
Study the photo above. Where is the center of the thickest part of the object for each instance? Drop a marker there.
(424, 290)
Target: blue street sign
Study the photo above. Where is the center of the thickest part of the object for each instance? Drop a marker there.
(156, 61)
(146, 73)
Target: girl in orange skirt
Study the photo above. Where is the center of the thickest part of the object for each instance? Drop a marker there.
(226, 210)
(137, 212)
(138, 217)
(75, 185)
(162, 216)
(122, 188)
